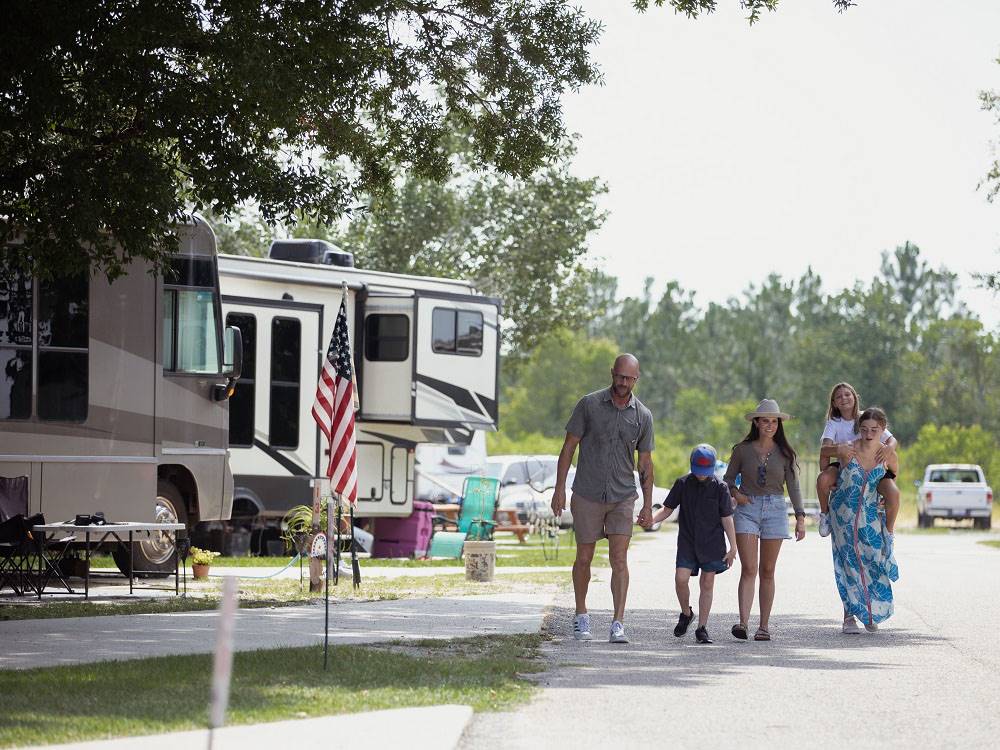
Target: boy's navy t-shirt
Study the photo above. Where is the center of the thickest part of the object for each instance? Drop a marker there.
(700, 536)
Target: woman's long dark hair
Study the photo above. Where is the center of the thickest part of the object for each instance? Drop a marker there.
(779, 437)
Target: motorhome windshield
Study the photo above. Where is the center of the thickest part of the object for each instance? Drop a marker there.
(190, 335)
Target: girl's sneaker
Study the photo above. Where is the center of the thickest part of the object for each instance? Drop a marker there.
(581, 627)
(851, 626)
(824, 524)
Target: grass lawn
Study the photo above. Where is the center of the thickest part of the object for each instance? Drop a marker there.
(285, 593)
(992, 543)
(150, 696)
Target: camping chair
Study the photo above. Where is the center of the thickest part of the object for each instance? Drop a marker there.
(18, 552)
(475, 519)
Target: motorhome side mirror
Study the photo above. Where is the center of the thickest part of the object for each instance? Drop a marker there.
(232, 356)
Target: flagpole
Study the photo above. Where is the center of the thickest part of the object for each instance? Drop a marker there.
(355, 567)
(326, 615)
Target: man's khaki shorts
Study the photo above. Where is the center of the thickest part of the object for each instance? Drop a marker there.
(593, 520)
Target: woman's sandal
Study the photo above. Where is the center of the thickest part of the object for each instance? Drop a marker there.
(762, 635)
(740, 631)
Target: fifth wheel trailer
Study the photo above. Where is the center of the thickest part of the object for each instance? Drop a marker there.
(113, 395)
(426, 358)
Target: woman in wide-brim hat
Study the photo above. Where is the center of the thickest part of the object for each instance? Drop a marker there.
(767, 467)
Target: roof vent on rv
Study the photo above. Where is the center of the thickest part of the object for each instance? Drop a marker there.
(310, 251)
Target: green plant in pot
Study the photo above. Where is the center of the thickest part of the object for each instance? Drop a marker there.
(296, 527)
(201, 559)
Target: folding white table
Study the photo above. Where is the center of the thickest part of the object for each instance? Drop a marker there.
(94, 535)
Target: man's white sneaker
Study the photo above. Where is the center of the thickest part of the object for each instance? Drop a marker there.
(824, 524)
(851, 626)
(617, 634)
(581, 627)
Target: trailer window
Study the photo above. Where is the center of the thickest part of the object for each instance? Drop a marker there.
(457, 331)
(16, 331)
(59, 336)
(243, 401)
(286, 347)
(387, 338)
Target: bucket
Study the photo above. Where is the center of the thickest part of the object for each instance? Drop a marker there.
(480, 559)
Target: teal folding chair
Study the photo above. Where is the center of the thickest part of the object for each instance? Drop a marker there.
(475, 520)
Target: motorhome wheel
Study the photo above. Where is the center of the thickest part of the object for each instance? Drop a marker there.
(154, 557)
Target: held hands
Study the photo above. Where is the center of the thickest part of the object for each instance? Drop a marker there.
(558, 501)
(730, 557)
(845, 452)
(800, 528)
(884, 453)
(645, 518)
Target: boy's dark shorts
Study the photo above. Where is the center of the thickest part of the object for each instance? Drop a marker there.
(715, 566)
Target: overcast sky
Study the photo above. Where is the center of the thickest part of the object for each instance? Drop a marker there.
(811, 139)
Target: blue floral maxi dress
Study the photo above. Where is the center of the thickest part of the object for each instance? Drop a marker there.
(863, 562)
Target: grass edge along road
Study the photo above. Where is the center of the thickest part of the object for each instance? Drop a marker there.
(255, 594)
(171, 693)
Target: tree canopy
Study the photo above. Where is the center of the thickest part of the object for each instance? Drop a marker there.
(118, 117)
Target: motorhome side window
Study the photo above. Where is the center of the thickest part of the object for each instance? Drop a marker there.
(60, 337)
(286, 346)
(190, 338)
(387, 338)
(457, 331)
(243, 401)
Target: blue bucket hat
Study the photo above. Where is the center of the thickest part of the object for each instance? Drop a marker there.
(703, 459)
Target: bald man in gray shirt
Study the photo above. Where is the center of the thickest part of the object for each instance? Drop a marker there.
(610, 426)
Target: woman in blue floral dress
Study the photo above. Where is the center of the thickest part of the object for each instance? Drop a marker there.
(863, 563)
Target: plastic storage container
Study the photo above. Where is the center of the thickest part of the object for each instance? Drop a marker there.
(404, 537)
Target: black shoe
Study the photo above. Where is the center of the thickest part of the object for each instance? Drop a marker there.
(701, 634)
(682, 623)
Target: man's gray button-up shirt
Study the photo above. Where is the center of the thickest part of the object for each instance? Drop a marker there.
(609, 439)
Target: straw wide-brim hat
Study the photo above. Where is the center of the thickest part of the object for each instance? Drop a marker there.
(768, 407)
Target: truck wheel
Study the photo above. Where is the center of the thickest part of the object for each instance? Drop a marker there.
(154, 556)
(982, 523)
(922, 521)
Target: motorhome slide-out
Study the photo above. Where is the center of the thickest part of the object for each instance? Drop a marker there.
(425, 356)
(954, 491)
(114, 395)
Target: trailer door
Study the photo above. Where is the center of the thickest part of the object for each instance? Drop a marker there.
(386, 344)
(456, 360)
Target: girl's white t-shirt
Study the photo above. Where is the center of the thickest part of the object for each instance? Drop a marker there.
(842, 431)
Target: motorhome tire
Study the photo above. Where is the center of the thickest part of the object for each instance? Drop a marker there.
(154, 557)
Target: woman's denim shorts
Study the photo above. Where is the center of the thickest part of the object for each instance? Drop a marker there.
(765, 516)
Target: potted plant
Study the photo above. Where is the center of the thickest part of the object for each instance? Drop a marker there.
(201, 559)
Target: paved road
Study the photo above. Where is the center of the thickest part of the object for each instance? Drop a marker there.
(930, 678)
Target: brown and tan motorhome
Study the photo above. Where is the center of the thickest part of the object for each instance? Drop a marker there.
(114, 396)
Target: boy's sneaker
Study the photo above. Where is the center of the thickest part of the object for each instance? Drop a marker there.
(581, 627)
(701, 634)
(824, 524)
(617, 634)
(851, 626)
(682, 623)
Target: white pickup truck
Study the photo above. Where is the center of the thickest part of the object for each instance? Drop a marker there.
(954, 491)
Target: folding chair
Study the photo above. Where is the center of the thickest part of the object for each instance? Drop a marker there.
(475, 520)
(17, 555)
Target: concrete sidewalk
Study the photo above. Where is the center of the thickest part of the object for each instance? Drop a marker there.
(430, 728)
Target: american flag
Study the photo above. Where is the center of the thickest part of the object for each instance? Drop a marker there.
(333, 410)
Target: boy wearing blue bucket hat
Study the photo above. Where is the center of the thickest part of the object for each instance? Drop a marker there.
(706, 519)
